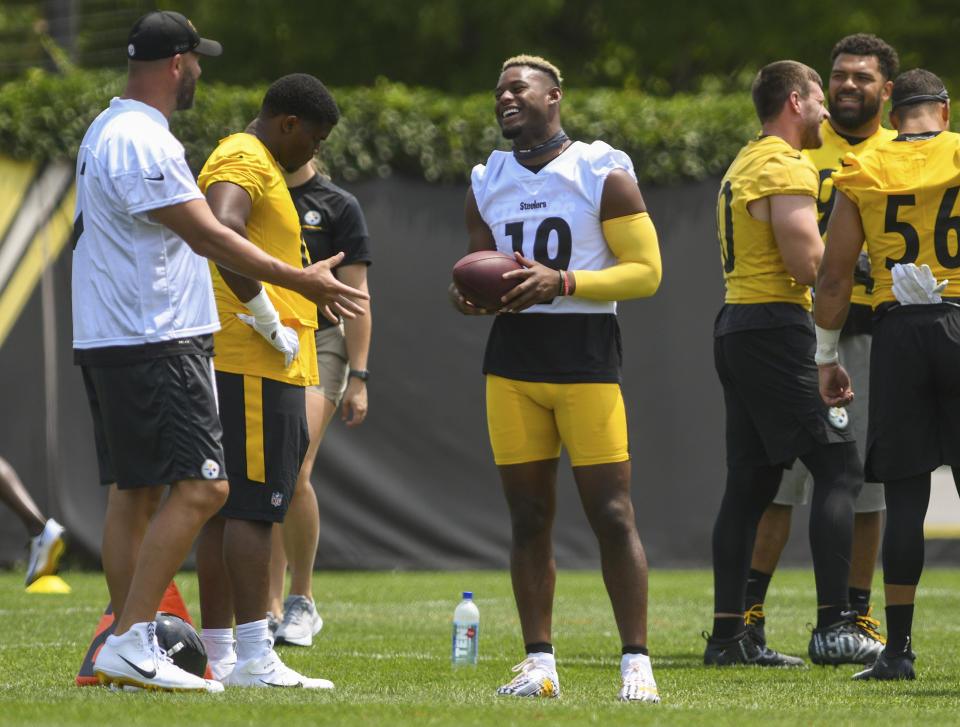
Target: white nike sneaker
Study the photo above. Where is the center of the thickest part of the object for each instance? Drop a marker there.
(45, 551)
(300, 622)
(134, 659)
(537, 678)
(270, 671)
(638, 684)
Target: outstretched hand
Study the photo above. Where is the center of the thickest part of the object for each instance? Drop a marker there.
(333, 298)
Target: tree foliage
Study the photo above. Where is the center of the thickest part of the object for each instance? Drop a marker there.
(458, 46)
(390, 128)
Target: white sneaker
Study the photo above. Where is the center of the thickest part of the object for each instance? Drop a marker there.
(270, 671)
(45, 551)
(537, 678)
(273, 623)
(134, 659)
(300, 622)
(638, 685)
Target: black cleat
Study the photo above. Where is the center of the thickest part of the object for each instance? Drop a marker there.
(845, 642)
(743, 649)
(869, 625)
(888, 668)
(755, 619)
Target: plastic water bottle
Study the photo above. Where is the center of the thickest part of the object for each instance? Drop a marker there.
(466, 631)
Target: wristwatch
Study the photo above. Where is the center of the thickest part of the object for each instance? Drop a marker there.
(361, 374)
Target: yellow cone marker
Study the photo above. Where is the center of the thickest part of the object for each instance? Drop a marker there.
(49, 584)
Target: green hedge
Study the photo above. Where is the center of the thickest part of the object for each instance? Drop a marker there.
(390, 128)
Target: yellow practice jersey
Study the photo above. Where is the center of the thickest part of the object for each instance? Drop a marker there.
(752, 265)
(827, 159)
(273, 226)
(906, 191)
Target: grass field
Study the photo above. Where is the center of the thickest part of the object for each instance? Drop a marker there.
(386, 642)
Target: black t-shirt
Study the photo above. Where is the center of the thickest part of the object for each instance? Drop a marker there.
(331, 221)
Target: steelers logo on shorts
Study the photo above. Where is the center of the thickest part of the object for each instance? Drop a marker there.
(311, 217)
(838, 417)
(210, 470)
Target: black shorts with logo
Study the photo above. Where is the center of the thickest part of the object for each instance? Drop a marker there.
(154, 413)
(265, 436)
(914, 420)
(774, 412)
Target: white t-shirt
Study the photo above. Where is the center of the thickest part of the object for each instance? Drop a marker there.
(134, 280)
(552, 216)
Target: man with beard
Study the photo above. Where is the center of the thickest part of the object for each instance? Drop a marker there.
(553, 359)
(900, 198)
(763, 350)
(143, 319)
(860, 83)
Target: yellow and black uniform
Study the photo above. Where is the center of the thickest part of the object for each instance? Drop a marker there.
(906, 192)
(763, 348)
(855, 340)
(764, 338)
(261, 402)
(829, 159)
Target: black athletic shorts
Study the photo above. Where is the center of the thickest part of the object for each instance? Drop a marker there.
(155, 421)
(771, 392)
(265, 436)
(914, 420)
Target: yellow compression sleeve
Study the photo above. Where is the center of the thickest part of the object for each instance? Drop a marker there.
(633, 239)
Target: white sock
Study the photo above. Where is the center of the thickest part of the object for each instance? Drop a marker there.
(546, 658)
(219, 644)
(253, 640)
(629, 660)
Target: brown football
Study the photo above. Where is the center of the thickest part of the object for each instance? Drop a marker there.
(479, 277)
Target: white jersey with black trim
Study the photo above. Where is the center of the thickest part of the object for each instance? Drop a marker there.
(134, 280)
(552, 216)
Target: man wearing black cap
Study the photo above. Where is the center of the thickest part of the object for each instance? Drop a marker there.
(143, 319)
(901, 198)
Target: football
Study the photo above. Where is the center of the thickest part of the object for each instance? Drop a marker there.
(478, 276)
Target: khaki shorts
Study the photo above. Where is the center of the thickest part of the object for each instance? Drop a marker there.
(529, 420)
(796, 483)
(332, 363)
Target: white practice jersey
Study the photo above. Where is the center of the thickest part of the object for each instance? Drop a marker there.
(552, 216)
(134, 280)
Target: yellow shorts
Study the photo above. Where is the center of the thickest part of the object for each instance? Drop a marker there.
(529, 420)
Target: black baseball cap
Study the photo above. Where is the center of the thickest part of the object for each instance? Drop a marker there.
(165, 33)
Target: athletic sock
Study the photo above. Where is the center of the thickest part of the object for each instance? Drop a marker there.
(757, 584)
(539, 647)
(860, 600)
(899, 623)
(219, 646)
(253, 640)
(726, 627)
(634, 650)
(828, 616)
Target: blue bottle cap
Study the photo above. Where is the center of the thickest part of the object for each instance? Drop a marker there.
(468, 594)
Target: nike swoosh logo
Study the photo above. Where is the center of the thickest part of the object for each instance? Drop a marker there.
(270, 684)
(154, 179)
(145, 674)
